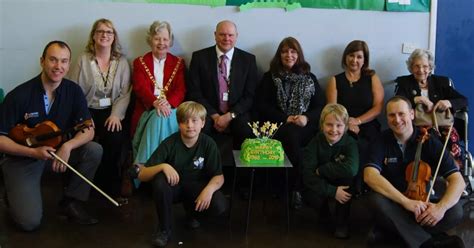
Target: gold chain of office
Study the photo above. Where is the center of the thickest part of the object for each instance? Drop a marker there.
(152, 78)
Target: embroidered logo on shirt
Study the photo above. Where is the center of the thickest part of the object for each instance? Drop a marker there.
(198, 163)
(390, 161)
(31, 115)
(340, 158)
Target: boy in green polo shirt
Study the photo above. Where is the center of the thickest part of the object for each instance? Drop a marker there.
(331, 160)
(185, 167)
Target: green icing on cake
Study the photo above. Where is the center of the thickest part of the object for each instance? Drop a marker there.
(262, 151)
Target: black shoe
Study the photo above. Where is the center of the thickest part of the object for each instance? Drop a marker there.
(342, 231)
(296, 200)
(192, 223)
(76, 213)
(161, 238)
(378, 236)
(444, 240)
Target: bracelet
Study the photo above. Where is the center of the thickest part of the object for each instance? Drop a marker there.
(360, 122)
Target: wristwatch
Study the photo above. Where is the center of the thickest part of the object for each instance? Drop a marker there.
(232, 115)
(133, 171)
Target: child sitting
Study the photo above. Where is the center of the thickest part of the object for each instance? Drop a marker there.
(185, 167)
(331, 161)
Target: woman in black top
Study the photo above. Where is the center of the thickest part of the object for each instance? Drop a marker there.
(290, 94)
(358, 89)
(433, 91)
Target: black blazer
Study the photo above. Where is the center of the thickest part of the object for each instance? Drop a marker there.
(438, 89)
(203, 85)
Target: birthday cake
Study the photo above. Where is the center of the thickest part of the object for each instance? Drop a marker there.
(262, 151)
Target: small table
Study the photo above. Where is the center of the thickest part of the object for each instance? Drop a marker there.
(239, 164)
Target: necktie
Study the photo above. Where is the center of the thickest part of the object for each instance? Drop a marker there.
(223, 85)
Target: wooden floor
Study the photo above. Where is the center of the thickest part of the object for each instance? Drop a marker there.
(133, 224)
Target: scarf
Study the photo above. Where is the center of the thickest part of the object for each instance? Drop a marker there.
(294, 91)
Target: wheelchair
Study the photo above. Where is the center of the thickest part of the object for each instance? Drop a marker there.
(461, 123)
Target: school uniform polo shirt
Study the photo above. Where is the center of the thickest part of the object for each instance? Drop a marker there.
(198, 163)
(26, 104)
(386, 156)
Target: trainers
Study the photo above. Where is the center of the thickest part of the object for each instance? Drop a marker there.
(161, 238)
(192, 223)
(296, 200)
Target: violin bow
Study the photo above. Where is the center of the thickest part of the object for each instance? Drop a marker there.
(84, 178)
(439, 162)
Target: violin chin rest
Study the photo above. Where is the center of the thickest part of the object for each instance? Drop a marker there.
(30, 141)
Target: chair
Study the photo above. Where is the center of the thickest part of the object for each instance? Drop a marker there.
(461, 123)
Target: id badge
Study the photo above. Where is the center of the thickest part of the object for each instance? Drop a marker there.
(105, 102)
(157, 92)
(225, 96)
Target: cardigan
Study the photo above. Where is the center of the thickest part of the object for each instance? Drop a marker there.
(83, 74)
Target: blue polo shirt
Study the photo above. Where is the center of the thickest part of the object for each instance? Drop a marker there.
(25, 104)
(387, 157)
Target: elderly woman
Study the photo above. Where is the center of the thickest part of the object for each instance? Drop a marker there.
(158, 83)
(434, 92)
(104, 75)
(360, 91)
(290, 94)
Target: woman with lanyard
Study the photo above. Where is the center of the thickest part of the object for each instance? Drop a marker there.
(158, 83)
(104, 75)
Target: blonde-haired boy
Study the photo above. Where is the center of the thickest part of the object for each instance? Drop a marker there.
(331, 160)
(185, 167)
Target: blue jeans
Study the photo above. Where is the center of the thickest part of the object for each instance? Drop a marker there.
(22, 176)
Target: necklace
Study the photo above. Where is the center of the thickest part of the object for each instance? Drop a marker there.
(352, 79)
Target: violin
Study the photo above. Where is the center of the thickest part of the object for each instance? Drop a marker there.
(45, 133)
(418, 173)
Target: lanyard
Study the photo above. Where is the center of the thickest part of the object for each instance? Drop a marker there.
(106, 78)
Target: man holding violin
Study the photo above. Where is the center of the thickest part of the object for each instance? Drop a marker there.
(47, 97)
(418, 222)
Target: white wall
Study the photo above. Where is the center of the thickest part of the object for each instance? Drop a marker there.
(27, 25)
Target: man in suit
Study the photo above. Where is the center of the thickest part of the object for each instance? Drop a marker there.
(223, 79)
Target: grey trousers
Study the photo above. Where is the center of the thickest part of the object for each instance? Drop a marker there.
(393, 217)
(22, 178)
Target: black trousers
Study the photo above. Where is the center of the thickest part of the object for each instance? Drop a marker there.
(319, 202)
(393, 217)
(108, 175)
(165, 195)
(238, 129)
(294, 138)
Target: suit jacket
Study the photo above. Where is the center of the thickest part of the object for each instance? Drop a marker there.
(143, 86)
(203, 85)
(438, 89)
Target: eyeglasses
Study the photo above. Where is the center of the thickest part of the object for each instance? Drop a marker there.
(101, 32)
